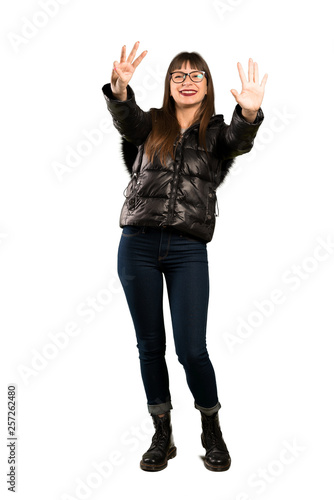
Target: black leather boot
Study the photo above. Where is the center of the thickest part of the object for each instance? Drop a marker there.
(162, 447)
(217, 457)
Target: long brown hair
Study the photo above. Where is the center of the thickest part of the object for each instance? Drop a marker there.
(165, 126)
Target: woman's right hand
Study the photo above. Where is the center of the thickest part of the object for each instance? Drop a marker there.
(123, 71)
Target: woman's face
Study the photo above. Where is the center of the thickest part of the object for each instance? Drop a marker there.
(188, 93)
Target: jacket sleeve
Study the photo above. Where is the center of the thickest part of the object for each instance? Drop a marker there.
(238, 137)
(130, 120)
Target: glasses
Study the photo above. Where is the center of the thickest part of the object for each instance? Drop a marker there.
(180, 76)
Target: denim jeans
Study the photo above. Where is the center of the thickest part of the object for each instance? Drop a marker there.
(145, 255)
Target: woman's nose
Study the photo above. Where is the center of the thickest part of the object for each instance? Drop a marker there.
(185, 80)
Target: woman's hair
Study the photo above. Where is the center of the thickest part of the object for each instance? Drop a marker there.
(165, 126)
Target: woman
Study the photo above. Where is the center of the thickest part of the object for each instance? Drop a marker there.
(177, 157)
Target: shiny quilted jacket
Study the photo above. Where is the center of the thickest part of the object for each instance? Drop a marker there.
(181, 194)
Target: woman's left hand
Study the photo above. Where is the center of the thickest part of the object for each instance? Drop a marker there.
(251, 95)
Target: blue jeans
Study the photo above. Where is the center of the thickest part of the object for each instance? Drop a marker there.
(145, 254)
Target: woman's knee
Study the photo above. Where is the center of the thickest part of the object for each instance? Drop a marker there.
(192, 358)
(151, 350)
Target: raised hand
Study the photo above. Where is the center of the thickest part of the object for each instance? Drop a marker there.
(124, 69)
(251, 95)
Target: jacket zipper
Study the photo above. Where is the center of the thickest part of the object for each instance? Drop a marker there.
(178, 144)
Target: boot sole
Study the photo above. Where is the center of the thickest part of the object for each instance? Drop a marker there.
(217, 468)
(157, 467)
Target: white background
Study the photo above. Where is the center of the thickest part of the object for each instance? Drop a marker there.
(82, 422)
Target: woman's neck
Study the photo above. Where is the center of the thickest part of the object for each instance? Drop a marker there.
(185, 116)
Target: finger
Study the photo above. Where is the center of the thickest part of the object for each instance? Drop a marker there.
(139, 59)
(234, 93)
(120, 74)
(116, 63)
(264, 80)
(250, 69)
(114, 74)
(116, 71)
(133, 53)
(123, 54)
(242, 74)
(256, 73)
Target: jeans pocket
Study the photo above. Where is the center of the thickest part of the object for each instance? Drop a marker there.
(129, 231)
(187, 237)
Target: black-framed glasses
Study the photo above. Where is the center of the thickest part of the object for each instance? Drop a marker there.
(180, 76)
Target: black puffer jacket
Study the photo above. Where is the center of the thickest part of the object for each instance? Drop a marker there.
(181, 194)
